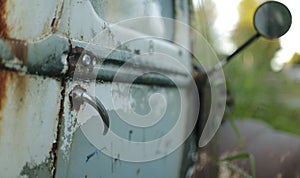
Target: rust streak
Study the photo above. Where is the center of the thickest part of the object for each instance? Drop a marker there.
(4, 78)
(55, 145)
(54, 25)
(19, 49)
(3, 24)
(8, 78)
(19, 81)
(21, 90)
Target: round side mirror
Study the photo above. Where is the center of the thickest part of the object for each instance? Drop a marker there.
(272, 19)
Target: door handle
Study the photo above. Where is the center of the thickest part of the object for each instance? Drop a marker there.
(80, 95)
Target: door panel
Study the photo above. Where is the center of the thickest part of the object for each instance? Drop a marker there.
(28, 122)
(85, 151)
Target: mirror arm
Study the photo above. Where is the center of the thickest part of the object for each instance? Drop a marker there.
(225, 60)
(243, 46)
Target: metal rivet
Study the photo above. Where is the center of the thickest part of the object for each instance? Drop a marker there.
(86, 60)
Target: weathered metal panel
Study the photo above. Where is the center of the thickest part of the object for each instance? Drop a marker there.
(79, 152)
(29, 107)
(88, 161)
(40, 42)
(18, 22)
(81, 155)
(46, 53)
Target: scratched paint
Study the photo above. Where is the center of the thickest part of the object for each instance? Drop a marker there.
(29, 110)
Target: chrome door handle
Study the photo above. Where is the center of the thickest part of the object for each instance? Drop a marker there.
(80, 95)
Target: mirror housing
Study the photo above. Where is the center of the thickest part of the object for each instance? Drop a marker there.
(272, 19)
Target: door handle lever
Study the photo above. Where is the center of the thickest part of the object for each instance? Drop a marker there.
(80, 95)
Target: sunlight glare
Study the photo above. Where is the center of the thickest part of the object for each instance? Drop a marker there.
(288, 41)
(227, 18)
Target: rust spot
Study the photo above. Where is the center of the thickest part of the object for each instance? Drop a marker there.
(4, 79)
(54, 150)
(3, 24)
(54, 25)
(19, 49)
(8, 78)
(21, 88)
(34, 170)
(53, 22)
(76, 101)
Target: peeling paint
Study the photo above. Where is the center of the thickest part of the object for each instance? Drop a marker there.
(69, 125)
(36, 171)
(14, 53)
(58, 14)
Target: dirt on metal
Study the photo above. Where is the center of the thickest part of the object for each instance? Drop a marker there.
(19, 49)
(12, 78)
(3, 24)
(4, 77)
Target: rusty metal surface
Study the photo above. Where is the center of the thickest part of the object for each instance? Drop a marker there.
(29, 108)
(17, 22)
(45, 52)
(38, 130)
(3, 26)
(38, 58)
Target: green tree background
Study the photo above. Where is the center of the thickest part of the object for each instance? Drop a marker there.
(258, 92)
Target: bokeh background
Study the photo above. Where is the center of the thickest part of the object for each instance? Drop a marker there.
(263, 80)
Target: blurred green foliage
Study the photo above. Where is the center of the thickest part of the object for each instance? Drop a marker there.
(258, 92)
(295, 59)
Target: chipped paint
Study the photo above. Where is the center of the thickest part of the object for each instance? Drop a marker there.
(29, 110)
(37, 117)
(56, 143)
(57, 17)
(70, 124)
(33, 170)
(19, 49)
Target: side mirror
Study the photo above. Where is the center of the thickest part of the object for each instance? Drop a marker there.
(272, 19)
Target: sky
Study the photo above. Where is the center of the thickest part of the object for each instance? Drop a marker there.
(227, 18)
(289, 40)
